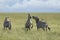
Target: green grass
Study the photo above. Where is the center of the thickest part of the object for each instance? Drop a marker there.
(18, 23)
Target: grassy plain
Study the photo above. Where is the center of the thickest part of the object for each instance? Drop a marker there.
(18, 23)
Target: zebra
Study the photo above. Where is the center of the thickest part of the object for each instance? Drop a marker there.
(40, 24)
(7, 23)
(28, 24)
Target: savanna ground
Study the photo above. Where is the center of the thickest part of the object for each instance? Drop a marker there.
(18, 31)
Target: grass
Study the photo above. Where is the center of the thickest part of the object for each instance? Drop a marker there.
(18, 32)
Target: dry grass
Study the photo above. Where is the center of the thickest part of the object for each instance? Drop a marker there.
(18, 32)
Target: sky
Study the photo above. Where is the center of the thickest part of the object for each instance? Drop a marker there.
(29, 5)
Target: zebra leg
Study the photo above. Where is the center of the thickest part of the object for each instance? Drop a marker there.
(27, 29)
(46, 28)
(43, 29)
(9, 27)
(49, 28)
(4, 27)
(31, 25)
(37, 28)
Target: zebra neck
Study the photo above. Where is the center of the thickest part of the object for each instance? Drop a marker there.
(28, 20)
